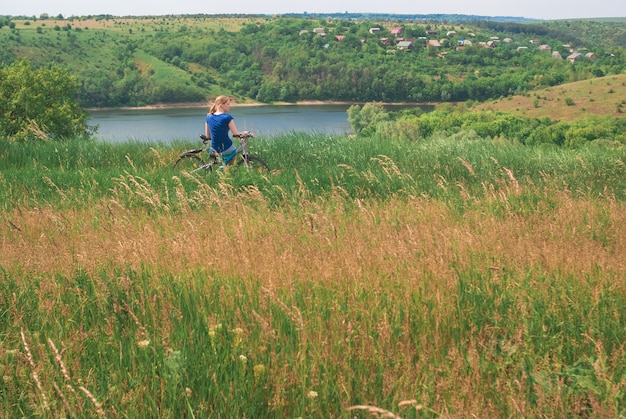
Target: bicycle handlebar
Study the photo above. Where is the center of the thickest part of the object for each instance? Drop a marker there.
(243, 134)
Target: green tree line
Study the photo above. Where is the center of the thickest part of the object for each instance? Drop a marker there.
(372, 120)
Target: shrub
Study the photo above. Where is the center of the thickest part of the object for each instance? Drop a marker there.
(39, 104)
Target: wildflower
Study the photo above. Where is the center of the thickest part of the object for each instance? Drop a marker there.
(259, 370)
(243, 358)
(143, 343)
(238, 336)
(214, 329)
(312, 395)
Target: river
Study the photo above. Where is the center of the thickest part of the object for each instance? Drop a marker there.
(171, 124)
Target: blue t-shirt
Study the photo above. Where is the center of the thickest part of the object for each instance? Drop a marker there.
(218, 128)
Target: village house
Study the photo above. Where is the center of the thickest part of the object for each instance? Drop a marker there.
(576, 56)
(404, 45)
(397, 32)
(545, 48)
(374, 30)
(433, 43)
(557, 55)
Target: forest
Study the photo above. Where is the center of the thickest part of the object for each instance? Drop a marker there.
(134, 61)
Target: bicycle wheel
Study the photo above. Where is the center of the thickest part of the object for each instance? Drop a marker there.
(191, 163)
(253, 163)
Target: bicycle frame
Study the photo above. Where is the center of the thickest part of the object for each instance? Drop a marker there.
(242, 149)
(242, 157)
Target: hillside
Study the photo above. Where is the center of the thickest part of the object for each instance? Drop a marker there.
(134, 61)
(599, 96)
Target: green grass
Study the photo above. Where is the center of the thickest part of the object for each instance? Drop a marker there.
(448, 277)
(363, 168)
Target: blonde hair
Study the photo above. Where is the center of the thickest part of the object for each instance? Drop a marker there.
(217, 104)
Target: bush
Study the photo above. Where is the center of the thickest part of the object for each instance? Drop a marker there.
(402, 129)
(39, 104)
(363, 120)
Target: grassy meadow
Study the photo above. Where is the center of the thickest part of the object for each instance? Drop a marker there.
(568, 102)
(449, 277)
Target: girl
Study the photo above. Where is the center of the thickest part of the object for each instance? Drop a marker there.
(218, 123)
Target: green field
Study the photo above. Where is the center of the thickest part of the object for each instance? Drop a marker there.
(449, 277)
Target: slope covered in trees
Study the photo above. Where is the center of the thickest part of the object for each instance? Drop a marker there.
(136, 61)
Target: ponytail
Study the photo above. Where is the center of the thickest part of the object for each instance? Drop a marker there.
(217, 104)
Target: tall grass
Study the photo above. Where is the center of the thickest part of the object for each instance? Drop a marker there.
(447, 278)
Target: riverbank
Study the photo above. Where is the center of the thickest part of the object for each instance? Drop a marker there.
(193, 105)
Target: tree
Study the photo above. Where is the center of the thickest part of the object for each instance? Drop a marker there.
(363, 120)
(39, 103)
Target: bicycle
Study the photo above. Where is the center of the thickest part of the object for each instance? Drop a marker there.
(193, 160)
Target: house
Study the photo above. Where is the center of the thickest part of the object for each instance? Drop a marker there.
(591, 56)
(463, 42)
(521, 48)
(411, 40)
(397, 32)
(450, 33)
(557, 55)
(385, 41)
(545, 48)
(431, 33)
(340, 38)
(319, 31)
(374, 30)
(303, 32)
(404, 45)
(433, 43)
(576, 56)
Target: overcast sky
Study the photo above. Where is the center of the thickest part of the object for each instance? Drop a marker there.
(537, 9)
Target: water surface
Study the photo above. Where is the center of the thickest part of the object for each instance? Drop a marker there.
(169, 124)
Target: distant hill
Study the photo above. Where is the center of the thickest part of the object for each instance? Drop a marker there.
(599, 96)
(433, 17)
(137, 61)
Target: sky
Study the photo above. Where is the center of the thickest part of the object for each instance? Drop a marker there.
(534, 9)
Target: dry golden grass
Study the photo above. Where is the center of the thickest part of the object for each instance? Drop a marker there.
(402, 239)
(369, 256)
(124, 23)
(599, 96)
